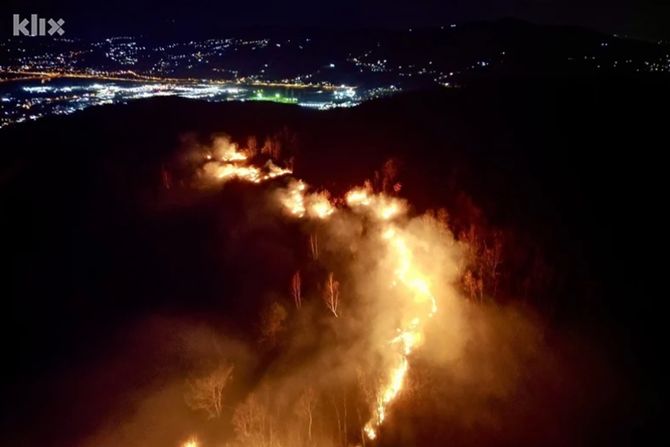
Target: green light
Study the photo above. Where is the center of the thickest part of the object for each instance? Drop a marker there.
(277, 97)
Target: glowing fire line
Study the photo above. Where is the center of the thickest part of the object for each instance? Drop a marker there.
(410, 334)
(299, 203)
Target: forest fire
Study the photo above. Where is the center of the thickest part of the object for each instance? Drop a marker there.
(225, 161)
(457, 263)
(409, 301)
(410, 334)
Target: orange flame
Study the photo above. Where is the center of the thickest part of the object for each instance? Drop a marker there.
(410, 335)
(227, 162)
(380, 206)
(230, 163)
(293, 198)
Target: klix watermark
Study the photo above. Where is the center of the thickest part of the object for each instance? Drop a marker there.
(36, 26)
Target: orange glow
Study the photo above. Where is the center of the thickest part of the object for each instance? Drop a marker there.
(293, 198)
(320, 206)
(388, 211)
(381, 206)
(225, 162)
(358, 197)
(229, 171)
(231, 153)
(274, 171)
(399, 248)
(418, 292)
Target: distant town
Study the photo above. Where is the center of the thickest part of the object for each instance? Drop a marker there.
(47, 76)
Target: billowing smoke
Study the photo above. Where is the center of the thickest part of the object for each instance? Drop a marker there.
(373, 339)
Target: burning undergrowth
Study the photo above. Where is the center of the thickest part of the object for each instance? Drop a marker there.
(379, 334)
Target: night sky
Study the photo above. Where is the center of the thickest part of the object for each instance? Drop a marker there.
(647, 19)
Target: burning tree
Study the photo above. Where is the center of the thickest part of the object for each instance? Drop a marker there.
(206, 393)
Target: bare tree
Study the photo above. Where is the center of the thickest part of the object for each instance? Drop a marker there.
(253, 424)
(206, 393)
(166, 177)
(492, 258)
(360, 424)
(339, 421)
(305, 408)
(484, 249)
(252, 145)
(332, 294)
(473, 242)
(314, 246)
(341, 417)
(474, 286)
(272, 322)
(296, 289)
(271, 148)
(390, 173)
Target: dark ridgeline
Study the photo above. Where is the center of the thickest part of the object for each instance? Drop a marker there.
(569, 167)
(507, 46)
